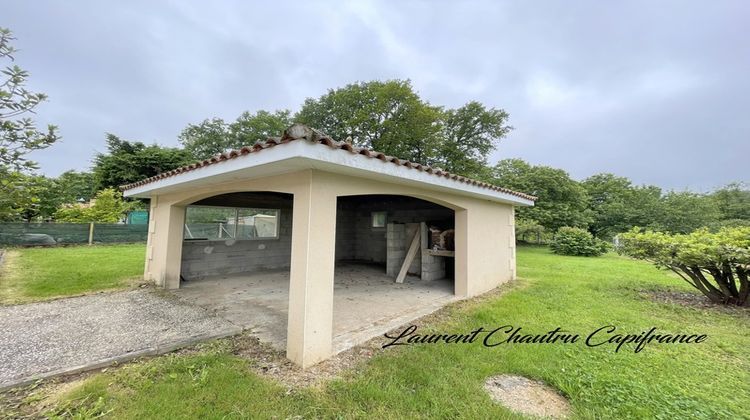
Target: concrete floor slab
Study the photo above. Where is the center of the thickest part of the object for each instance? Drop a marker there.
(366, 302)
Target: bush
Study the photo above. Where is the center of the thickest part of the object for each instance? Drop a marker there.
(717, 264)
(575, 241)
(529, 230)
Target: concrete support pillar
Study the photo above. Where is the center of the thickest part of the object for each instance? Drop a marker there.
(461, 282)
(150, 238)
(310, 325)
(512, 242)
(165, 246)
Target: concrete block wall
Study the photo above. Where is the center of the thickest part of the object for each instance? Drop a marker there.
(370, 241)
(433, 267)
(213, 258)
(399, 237)
(367, 243)
(346, 240)
(396, 248)
(356, 239)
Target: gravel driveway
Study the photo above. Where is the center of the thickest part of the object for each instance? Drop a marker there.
(70, 335)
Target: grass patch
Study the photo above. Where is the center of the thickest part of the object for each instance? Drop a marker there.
(709, 380)
(31, 274)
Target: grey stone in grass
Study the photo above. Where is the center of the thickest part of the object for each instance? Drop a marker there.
(527, 396)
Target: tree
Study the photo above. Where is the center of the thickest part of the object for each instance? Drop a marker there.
(74, 187)
(50, 194)
(44, 202)
(386, 116)
(205, 139)
(215, 136)
(617, 205)
(608, 201)
(18, 192)
(733, 201)
(717, 264)
(646, 206)
(19, 135)
(249, 128)
(128, 162)
(391, 118)
(107, 207)
(470, 135)
(561, 201)
(686, 211)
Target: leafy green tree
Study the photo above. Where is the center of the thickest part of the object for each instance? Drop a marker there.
(206, 139)
(127, 162)
(391, 118)
(617, 205)
(470, 134)
(74, 186)
(561, 201)
(50, 193)
(646, 206)
(717, 264)
(19, 135)
(44, 202)
(18, 193)
(733, 201)
(386, 116)
(215, 136)
(107, 207)
(608, 199)
(686, 211)
(249, 128)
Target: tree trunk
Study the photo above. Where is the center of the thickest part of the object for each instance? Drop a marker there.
(700, 283)
(744, 292)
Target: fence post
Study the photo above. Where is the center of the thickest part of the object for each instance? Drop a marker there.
(91, 233)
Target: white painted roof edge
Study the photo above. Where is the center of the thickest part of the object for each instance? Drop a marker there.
(306, 151)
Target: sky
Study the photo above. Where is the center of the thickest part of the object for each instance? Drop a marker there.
(658, 92)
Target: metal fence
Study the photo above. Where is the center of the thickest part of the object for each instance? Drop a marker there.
(32, 234)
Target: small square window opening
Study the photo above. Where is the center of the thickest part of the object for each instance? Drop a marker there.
(378, 219)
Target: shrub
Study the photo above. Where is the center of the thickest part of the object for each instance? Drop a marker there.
(717, 264)
(529, 230)
(576, 241)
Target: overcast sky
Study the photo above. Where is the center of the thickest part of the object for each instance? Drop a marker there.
(657, 93)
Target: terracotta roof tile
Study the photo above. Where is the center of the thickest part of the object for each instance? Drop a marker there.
(300, 132)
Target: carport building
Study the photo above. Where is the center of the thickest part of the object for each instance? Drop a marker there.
(341, 241)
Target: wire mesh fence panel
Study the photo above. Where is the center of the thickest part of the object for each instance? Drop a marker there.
(29, 234)
(107, 234)
(43, 233)
(208, 231)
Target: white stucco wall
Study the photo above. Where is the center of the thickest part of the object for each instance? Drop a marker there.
(485, 244)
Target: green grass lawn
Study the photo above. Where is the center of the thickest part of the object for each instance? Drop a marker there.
(31, 274)
(708, 380)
